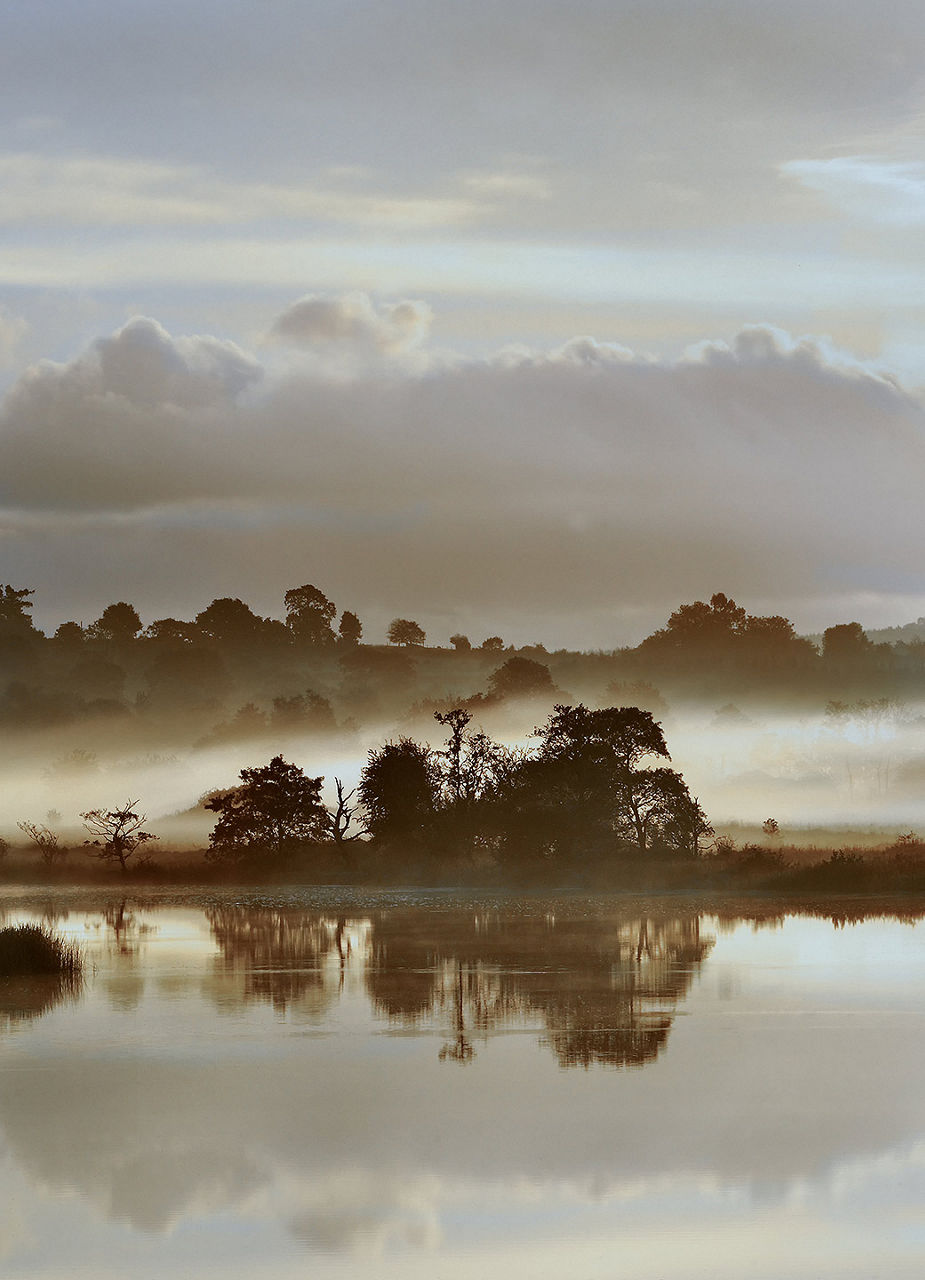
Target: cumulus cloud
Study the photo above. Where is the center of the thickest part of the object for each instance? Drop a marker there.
(550, 492)
(352, 319)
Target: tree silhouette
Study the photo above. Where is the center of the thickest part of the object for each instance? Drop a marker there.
(229, 621)
(117, 833)
(118, 623)
(404, 631)
(521, 678)
(309, 615)
(275, 809)
(350, 628)
(399, 786)
(15, 622)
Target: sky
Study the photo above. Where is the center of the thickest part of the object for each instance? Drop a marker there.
(533, 319)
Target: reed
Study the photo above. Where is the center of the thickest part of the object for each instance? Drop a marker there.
(28, 949)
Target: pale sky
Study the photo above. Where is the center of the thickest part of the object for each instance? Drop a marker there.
(530, 317)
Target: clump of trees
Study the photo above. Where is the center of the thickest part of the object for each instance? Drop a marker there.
(588, 788)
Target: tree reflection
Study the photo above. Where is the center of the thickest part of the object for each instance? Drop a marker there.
(604, 989)
(600, 990)
(281, 955)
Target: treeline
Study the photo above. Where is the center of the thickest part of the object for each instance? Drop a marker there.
(230, 675)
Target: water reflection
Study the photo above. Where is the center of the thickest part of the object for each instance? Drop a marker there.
(24, 999)
(603, 990)
(287, 1082)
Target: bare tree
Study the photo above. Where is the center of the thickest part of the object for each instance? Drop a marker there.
(117, 833)
(341, 816)
(46, 841)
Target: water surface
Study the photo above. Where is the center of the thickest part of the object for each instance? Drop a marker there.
(280, 1085)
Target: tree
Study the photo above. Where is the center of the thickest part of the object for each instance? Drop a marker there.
(342, 815)
(229, 621)
(15, 622)
(70, 635)
(847, 642)
(45, 840)
(521, 678)
(492, 644)
(171, 631)
(399, 787)
(461, 643)
(472, 759)
(309, 614)
(274, 811)
(612, 736)
(118, 624)
(117, 833)
(350, 629)
(404, 631)
(585, 782)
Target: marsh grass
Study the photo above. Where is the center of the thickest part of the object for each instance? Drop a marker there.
(28, 950)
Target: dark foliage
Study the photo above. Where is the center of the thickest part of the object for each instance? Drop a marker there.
(275, 811)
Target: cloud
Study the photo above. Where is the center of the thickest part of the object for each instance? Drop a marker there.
(546, 492)
(872, 190)
(353, 320)
(37, 188)
(13, 329)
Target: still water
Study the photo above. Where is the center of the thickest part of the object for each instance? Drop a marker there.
(293, 1084)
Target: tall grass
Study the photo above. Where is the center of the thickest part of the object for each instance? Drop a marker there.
(28, 949)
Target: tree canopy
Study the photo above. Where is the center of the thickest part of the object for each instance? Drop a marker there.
(273, 811)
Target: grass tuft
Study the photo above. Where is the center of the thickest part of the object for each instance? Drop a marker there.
(28, 949)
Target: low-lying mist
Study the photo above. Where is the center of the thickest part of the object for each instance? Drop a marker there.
(850, 773)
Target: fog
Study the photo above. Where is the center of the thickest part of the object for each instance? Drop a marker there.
(854, 777)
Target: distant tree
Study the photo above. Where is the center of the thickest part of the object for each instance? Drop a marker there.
(247, 722)
(309, 615)
(492, 644)
(45, 840)
(117, 833)
(171, 631)
(399, 788)
(403, 631)
(637, 693)
(521, 678)
(69, 635)
(117, 624)
(847, 642)
(15, 623)
(771, 827)
(461, 643)
(350, 628)
(229, 621)
(700, 627)
(307, 711)
(273, 811)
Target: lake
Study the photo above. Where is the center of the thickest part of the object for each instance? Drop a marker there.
(411, 1084)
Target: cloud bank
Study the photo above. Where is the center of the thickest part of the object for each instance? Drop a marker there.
(560, 492)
